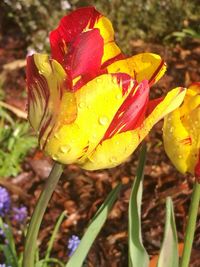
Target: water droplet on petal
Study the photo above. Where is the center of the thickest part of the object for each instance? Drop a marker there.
(180, 156)
(81, 105)
(65, 149)
(54, 157)
(56, 136)
(119, 96)
(98, 80)
(103, 120)
(114, 80)
(113, 159)
(171, 129)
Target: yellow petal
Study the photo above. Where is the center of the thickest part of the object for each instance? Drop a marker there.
(105, 27)
(97, 103)
(117, 149)
(111, 50)
(177, 141)
(142, 66)
(181, 132)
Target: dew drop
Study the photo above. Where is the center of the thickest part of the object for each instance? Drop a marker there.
(81, 105)
(180, 156)
(171, 129)
(65, 149)
(103, 120)
(98, 80)
(118, 96)
(113, 159)
(56, 136)
(54, 157)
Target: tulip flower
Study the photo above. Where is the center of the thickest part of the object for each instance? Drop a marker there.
(88, 102)
(181, 133)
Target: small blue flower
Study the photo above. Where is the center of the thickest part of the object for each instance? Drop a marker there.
(73, 243)
(4, 201)
(20, 214)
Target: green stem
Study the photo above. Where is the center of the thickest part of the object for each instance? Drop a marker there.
(191, 225)
(36, 219)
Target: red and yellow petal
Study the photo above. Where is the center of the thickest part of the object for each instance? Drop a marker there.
(80, 21)
(132, 111)
(97, 103)
(117, 149)
(84, 57)
(46, 90)
(69, 28)
(142, 66)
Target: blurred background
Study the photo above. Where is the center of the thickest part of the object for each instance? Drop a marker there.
(170, 28)
(162, 21)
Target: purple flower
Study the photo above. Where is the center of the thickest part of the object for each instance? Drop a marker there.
(73, 243)
(4, 201)
(3, 265)
(20, 214)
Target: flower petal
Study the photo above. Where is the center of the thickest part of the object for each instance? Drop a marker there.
(131, 113)
(46, 85)
(97, 103)
(181, 132)
(84, 56)
(177, 141)
(69, 28)
(79, 21)
(142, 66)
(117, 149)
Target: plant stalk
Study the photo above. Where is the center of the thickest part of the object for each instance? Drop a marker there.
(191, 225)
(36, 219)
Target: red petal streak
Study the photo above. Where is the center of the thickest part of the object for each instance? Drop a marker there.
(123, 80)
(69, 28)
(132, 112)
(36, 83)
(84, 55)
(153, 77)
(112, 60)
(153, 104)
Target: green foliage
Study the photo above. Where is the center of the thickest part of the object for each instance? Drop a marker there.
(10, 253)
(137, 253)
(169, 251)
(183, 35)
(150, 20)
(8, 248)
(147, 19)
(33, 18)
(93, 230)
(15, 142)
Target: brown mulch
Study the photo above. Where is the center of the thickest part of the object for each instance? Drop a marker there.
(80, 192)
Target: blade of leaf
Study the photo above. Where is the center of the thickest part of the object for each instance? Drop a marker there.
(95, 226)
(53, 236)
(169, 251)
(8, 248)
(137, 253)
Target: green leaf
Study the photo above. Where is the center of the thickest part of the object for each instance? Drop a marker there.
(8, 248)
(169, 251)
(91, 233)
(138, 256)
(53, 236)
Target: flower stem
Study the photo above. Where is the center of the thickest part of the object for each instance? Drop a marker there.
(36, 219)
(191, 225)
